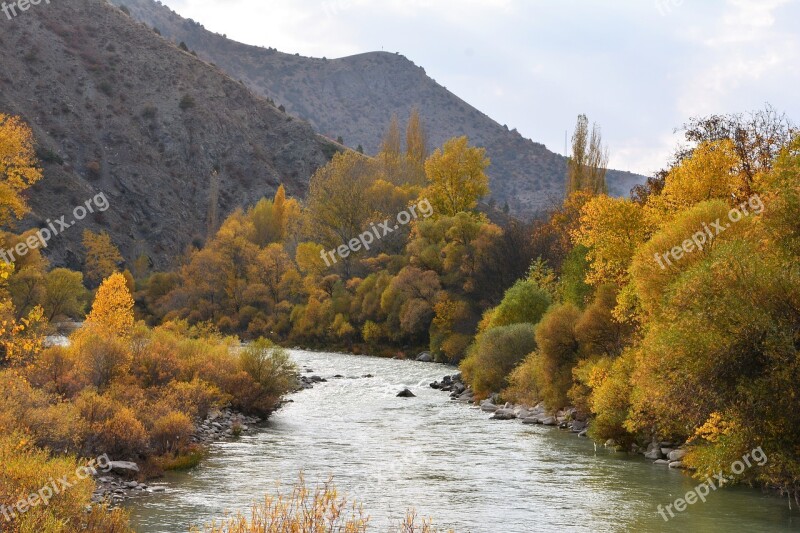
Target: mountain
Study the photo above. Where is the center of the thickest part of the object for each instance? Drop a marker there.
(354, 97)
(115, 108)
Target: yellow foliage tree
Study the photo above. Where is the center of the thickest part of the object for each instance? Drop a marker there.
(707, 175)
(20, 340)
(18, 170)
(112, 310)
(102, 257)
(457, 177)
(612, 229)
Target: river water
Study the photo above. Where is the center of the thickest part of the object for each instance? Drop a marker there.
(444, 459)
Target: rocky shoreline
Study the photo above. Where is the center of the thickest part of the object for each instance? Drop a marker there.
(660, 453)
(120, 483)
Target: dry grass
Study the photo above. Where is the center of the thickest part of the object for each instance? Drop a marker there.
(321, 510)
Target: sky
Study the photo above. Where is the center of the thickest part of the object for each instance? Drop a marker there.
(637, 68)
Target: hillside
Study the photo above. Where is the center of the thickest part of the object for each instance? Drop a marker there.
(354, 97)
(118, 109)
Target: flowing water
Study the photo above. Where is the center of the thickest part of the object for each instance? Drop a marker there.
(444, 459)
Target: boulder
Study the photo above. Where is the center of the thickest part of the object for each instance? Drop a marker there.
(489, 407)
(549, 421)
(653, 454)
(666, 451)
(123, 467)
(425, 357)
(405, 393)
(661, 462)
(530, 421)
(578, 425)
(677, 455)
(676, 464)
(504, 414)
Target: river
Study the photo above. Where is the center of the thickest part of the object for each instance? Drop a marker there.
(445, 459)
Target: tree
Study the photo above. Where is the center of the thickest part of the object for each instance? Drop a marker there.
(65, 294)
(102, 257)
(416, 138)
(392, 143)
(338, 207)
(18, 170)
(456, 176)
(112, 310)
(611, 229)
(416, 148)
(557, 354)
(586, 169)
(525, 302)
(756, 138)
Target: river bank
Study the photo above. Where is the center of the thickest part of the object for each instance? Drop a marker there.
(125, 480)
(447, 461)
(659, 452)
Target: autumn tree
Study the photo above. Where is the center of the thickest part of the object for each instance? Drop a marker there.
(416, 148)
(337, 199)
(756, 140)
(588, 165)
(65, 294)
(456, 176)
(102, 256)
(18, 168)
(611, 229)
(112, 310)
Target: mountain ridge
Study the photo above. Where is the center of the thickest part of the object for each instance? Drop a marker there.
(355, 96)
(114, 108)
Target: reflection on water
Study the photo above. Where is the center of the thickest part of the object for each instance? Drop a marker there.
(444, 459)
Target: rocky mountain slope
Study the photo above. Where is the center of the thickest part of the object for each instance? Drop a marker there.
(116, 108)
(354, 97)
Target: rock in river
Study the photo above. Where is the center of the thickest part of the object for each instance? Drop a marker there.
(425, 357)
(405, 393)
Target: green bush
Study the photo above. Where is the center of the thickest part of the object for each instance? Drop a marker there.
(525, 302)
(270, 366)
(494, 356)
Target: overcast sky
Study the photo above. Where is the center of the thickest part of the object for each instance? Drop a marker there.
(638, 68)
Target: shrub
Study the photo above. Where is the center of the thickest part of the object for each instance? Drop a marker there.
(494, 355)
(171, 433)
(557, 354)
(27, 469)
(525, 302)
(187, 102)
(102, 359)
(122, 436)
(317, 510)
(522, 383)
(270, 367)
(93, 170)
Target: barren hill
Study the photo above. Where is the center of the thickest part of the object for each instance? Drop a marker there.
(118, 109)
(354, 97)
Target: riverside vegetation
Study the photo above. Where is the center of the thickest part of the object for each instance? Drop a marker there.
(570, 310)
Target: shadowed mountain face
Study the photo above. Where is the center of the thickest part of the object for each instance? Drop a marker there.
(117, 109)
(354, 97)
